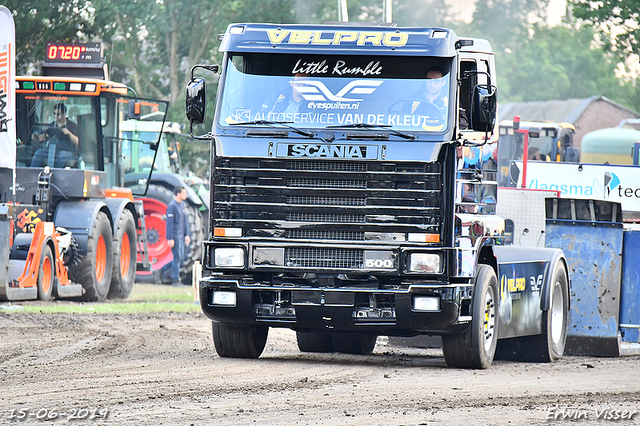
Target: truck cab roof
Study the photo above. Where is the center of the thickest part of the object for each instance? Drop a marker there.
(347, 39)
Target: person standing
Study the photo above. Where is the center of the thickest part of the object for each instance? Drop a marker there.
(177, 233)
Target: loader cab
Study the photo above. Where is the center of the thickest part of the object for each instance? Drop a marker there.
(49, 109)
(553, 143)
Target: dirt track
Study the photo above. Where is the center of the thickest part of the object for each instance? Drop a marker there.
(163, 370)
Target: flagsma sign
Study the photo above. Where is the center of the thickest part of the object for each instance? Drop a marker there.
(7, 90)
(591, 181)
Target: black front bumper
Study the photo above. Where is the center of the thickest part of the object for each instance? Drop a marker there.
(346, 309)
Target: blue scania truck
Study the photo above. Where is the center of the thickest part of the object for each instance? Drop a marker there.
(353, 195)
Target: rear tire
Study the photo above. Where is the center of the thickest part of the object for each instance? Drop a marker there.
(352, 343)
(95, 268)
(239, 342)
(46, 274)
(549, 345)
(476, 346)
(124, 257)
(314, 342)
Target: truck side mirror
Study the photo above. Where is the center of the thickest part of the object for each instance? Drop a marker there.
(483, 108)
(196, 100)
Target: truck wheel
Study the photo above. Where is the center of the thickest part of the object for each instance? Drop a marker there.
(314, 342)
(239, 342)
(549, 345)
(95, 268)
(124, 257)
(476, 346)
(46, 274)
(357, 344)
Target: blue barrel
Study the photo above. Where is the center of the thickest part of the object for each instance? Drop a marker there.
(590, 234)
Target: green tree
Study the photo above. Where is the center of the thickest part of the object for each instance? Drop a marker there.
(506, 22)
(619, 17)
(558, 63)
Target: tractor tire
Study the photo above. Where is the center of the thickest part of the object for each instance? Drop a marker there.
(124, 257)
(476, 346)
(95, 268)
(352, 343)
(46, 273)
(155, 208)
(239, 342)
(314, 342)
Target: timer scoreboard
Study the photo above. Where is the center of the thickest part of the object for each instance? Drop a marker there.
(73, 53)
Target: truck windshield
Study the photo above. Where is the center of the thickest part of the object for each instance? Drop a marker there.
(56, 130)
(316, 91)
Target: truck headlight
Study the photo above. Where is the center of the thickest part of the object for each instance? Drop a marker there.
(227, 298)
(424, 262)
(426, 303)
(230, 257)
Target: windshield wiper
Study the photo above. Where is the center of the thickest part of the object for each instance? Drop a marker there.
(373, 126)
(273, 123)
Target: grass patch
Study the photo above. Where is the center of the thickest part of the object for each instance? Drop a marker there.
(144, 299)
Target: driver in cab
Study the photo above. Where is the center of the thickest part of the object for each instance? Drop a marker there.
(62, 141)
(433, 90)
(436, 94)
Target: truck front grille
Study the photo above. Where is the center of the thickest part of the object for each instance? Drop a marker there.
(303, 257)
(315, 199)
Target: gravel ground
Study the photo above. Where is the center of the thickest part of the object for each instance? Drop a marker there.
(162, 370)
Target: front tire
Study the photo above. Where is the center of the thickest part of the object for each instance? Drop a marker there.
(124, 257)
(95, 268)
(314, 342)
(352, 343)
(476, 346)
(239, 342)
(46, 273)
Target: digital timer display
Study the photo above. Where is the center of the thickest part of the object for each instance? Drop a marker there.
(73, 52)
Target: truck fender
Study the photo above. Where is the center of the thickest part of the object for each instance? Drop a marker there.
(551, 256)
(77, 217)
(545, 299)
(116, 206)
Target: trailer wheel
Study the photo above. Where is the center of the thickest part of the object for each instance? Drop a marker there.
(95, 268)
(476, 346)
(314, 342)
(46, 274)
(352, 343)
(124, 257)
(549, 345)
(239, 342)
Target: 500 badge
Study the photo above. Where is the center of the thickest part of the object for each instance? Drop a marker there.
(374, 259)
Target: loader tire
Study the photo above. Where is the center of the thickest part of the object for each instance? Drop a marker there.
(124, 257)
(46, 273)
(95, 268)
